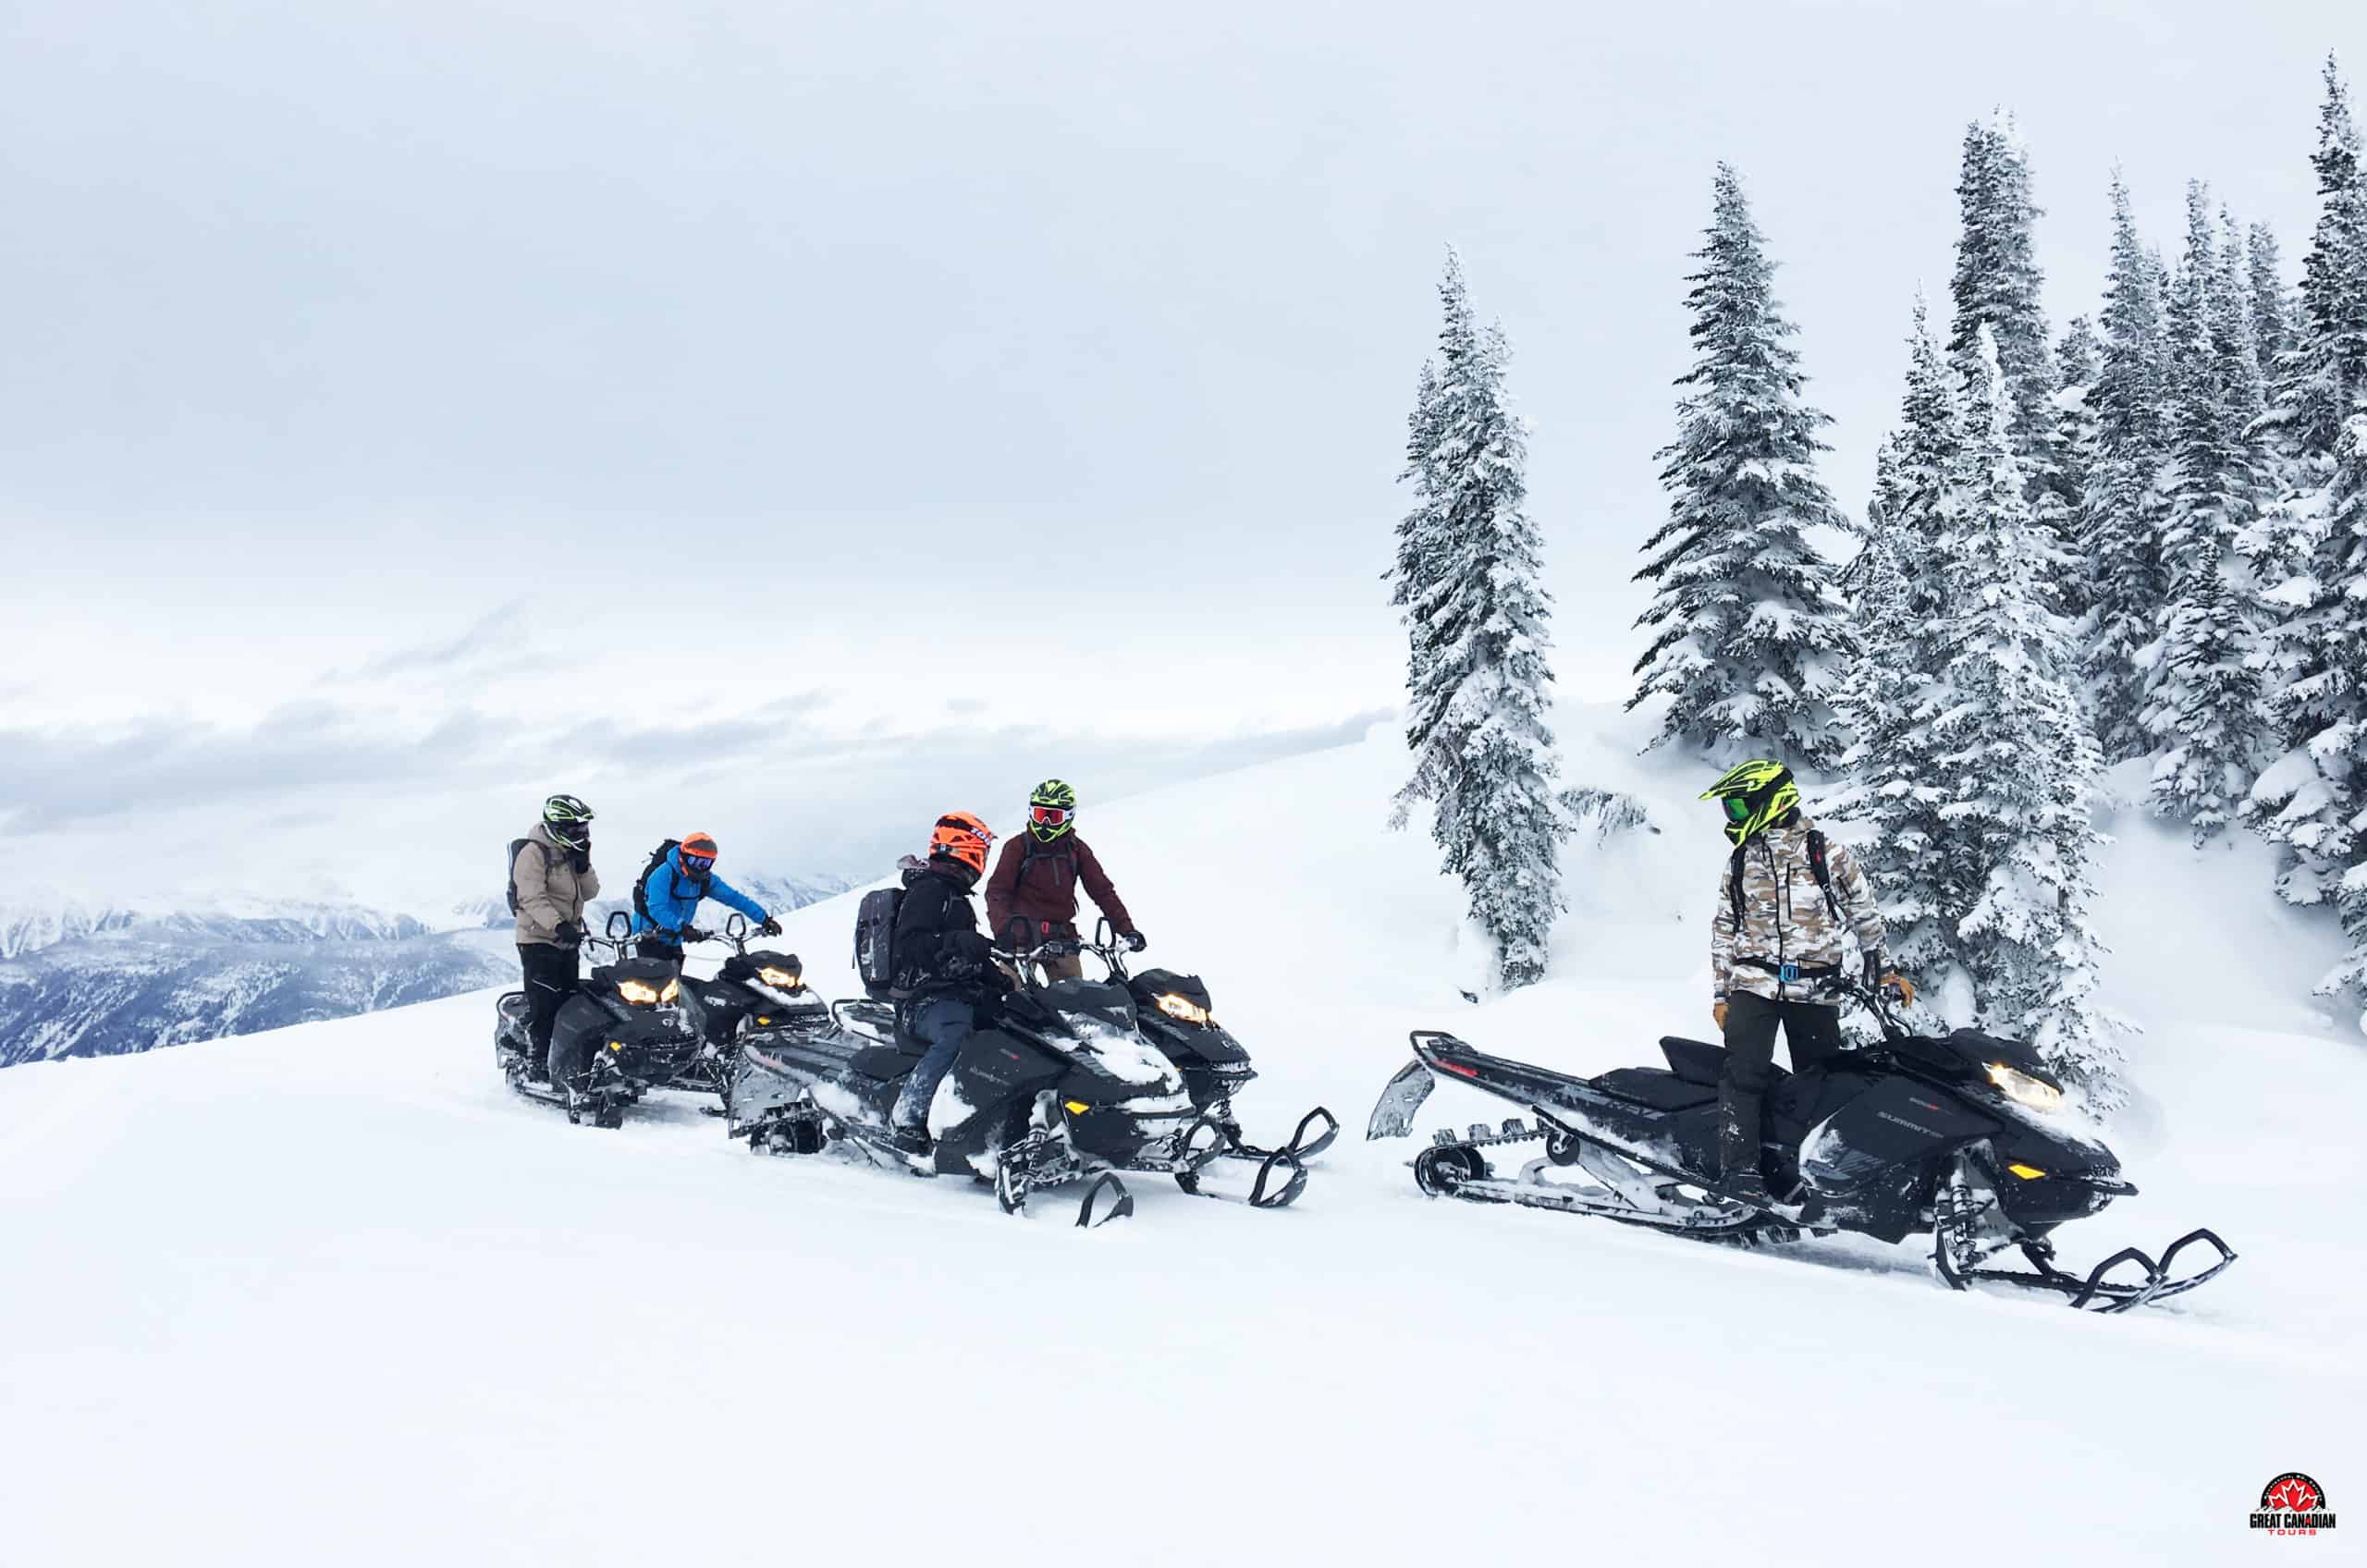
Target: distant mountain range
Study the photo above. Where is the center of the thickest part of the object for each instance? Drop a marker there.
(77, 980)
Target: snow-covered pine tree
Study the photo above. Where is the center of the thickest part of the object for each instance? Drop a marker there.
(1469, 574)
(2019, 764)
(2272, 306)
(2121, 511)
(2312, 799)
(1998, 285)
(2203, 696)
(1897, 782)
(1750, 640)
(2079, 442)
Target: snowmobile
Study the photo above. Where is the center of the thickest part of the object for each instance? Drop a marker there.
(1057, 1086)
(1950, 1136)
(632, 1023)
(755, 995)
(1173, 1012)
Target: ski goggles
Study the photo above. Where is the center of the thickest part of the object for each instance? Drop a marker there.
(1050, 816)
(698, 865)
(1737, 809)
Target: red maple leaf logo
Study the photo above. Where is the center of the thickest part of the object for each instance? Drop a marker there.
(2293, 1494)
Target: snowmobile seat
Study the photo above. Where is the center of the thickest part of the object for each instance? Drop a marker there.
(1696, 1061)
(1650, 1086)
(886, 1063)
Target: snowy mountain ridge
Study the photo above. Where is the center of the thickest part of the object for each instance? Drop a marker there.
(79, 979)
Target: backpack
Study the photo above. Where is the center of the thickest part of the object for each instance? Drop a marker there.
(641, 882)
(515, 846)
(1816, 864)
(875, 941)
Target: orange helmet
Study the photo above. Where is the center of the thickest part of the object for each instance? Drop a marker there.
(962, 837)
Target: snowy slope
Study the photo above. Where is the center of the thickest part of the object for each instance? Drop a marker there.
(331, 1295)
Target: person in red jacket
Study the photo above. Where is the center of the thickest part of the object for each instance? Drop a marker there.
(1036, 878)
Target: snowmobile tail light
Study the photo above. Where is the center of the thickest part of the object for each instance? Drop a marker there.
(779, 979)
(2023, 1089)
(1184, 1007)
(638, 992)
(2026, 1173)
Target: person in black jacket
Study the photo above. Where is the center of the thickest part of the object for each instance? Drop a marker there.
(943, 964)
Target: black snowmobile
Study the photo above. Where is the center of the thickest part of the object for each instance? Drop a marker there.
(628, 1029)
(1947, 1135)
(1173, 1012)
(755, 995)
(1057, 1086)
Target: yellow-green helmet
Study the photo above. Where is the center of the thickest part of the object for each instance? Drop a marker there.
(1051, 810)
(1757, 794)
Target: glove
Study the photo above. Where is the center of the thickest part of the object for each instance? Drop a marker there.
(692, 934)
(1135, 940)
(567, 934)
(771, 927)
(581, 861)
(1718, 1011)
(1902, 986)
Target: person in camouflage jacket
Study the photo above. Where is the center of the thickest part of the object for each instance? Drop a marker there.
(1777, 953)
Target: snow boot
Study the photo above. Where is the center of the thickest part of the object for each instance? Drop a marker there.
(1747, 1186)
(913, 1141)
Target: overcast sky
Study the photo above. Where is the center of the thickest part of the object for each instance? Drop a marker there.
(789, 421)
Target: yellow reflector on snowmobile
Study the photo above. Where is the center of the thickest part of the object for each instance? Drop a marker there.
(616, 1044)
(2026, 1173)
(1078, 1108)
(763, 1021)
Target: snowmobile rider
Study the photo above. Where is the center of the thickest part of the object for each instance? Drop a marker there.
(672, 886)
(1776, 951)
(552, 879)
(944, 965)
(1036, 881)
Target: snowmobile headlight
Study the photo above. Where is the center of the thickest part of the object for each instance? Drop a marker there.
(673, 989)
(638, 992)
(2023, 1089)
(1184, 1007)
(779, 979)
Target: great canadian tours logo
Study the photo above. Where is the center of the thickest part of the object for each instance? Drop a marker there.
(2293, 1505)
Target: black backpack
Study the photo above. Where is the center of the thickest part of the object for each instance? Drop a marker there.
(875, 941)
(515, 846)
(641, 882)
(1816, 864)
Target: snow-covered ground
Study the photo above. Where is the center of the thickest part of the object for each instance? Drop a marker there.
(331, 1295)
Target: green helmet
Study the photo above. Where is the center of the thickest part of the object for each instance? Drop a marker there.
(569, 821)
(1051, 810)
(1757, 794)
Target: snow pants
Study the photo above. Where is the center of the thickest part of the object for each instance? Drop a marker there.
(945, 1025)
(1812, 1031)
(551, 978)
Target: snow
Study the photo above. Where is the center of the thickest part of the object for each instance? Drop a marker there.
(331, 1295)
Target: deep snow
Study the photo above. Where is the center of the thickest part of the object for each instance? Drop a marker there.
(330, 1294)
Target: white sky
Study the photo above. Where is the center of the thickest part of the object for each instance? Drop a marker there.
(411, 408)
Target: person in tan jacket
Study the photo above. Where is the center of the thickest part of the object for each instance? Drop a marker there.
(550, 881)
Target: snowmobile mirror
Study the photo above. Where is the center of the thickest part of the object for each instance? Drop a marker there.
(619, 925)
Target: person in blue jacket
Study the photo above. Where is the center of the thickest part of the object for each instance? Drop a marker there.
(670, 892)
